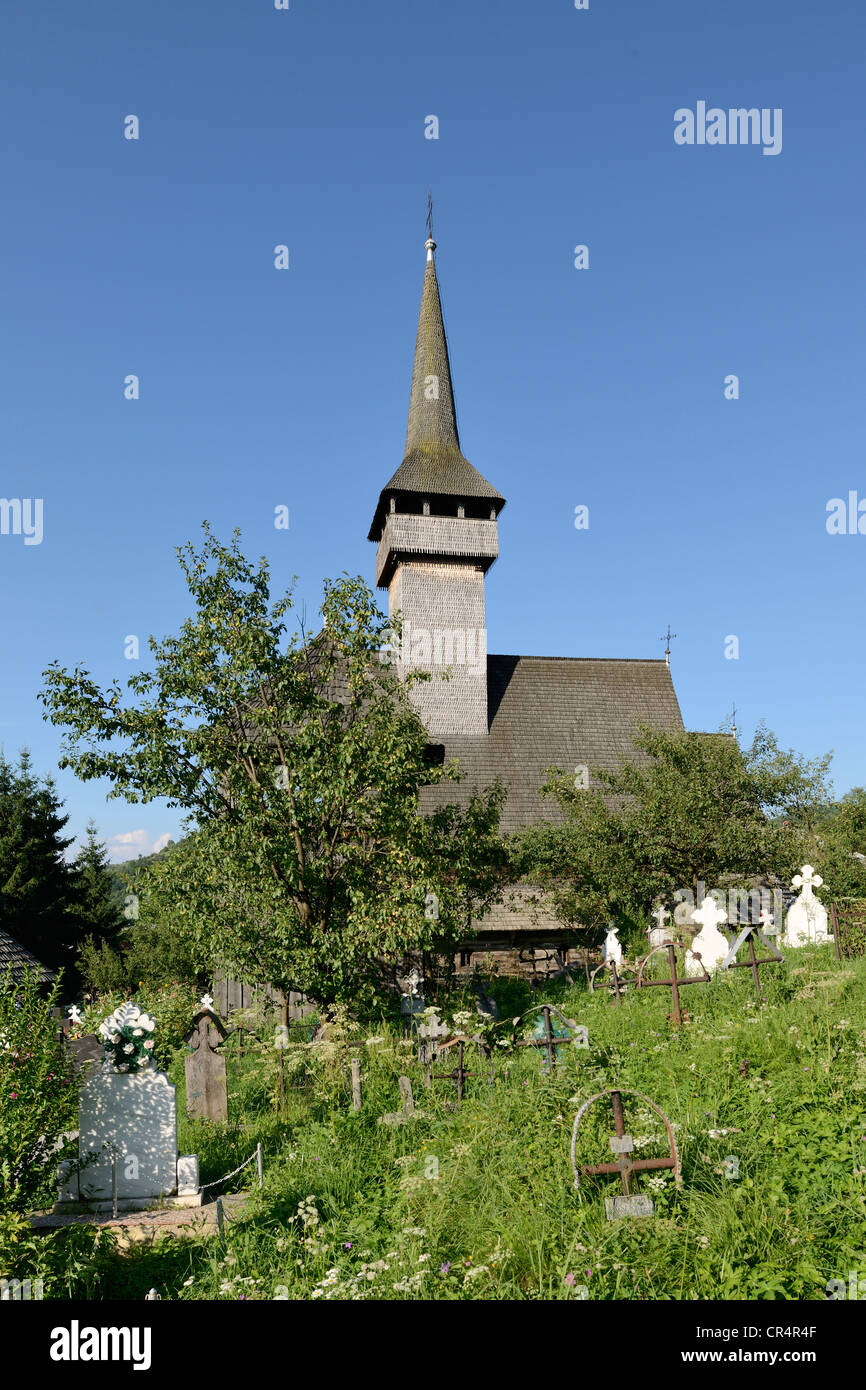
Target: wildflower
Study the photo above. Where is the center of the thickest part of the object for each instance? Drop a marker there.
(371, 1042)
(569, 1279)
(421, 1258)
(14, 1095)
(588, 1273)
(317, 1293)
(347, 1245)
(186, 1283)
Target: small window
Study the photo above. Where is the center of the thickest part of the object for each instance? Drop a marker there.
(465, 957)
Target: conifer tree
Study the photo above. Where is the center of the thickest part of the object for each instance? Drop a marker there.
(37, 885)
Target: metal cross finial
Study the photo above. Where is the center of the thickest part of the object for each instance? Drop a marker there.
(430, 214)
(667, 638)
(734, 721)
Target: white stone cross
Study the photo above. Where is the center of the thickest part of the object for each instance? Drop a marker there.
(411, 983)
(807, 916)
(433, 1028)
(807, 879)
(710, 915)
(709, 944)
(611, 951)
(75, 1015)
(768, 923)
(206, 1002)
(660, 934)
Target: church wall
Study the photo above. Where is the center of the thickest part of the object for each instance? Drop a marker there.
(442, 605)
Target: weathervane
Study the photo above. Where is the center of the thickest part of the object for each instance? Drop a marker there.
(667, 638)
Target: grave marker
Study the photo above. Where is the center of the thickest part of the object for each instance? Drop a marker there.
(672, 981)
(407, 1110)
(205, 1068)
(709, 948)
(631, 1203)
(127, 1128)
(806, 921)
(748, 935)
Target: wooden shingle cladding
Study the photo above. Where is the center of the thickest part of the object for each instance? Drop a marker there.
(543, 712)
(555, 711)
(433, 465)
(16, 956)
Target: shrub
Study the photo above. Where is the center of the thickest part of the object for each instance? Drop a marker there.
(37, 1093)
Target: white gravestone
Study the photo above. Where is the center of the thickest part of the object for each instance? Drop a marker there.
(807, 916)
(709, 943)
(659, 935)
(127, 1114)
(611, 951)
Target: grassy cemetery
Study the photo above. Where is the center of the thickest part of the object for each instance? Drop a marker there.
(477, 1199)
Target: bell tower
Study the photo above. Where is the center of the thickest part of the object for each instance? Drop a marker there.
(437, 535)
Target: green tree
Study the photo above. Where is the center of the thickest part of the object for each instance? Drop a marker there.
(688, 807)
(300, 763)
(37, 886)
(96, 907)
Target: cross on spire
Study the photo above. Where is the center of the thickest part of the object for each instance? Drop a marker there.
(430, 214)
(667, 638)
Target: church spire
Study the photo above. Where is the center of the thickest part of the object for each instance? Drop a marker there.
(433, 464)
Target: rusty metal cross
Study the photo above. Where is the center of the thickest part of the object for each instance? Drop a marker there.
(614, 983)
(549, 1040)
(748, 935)
(459, 1074)
(622, 1145)
(672, 982)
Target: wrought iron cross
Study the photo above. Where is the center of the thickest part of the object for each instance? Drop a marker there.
(673, 982)
(622, 1145)
(614, 983)
(459, 1074)
(667, 638)
(748, 935)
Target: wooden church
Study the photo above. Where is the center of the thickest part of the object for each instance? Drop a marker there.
(436, 529)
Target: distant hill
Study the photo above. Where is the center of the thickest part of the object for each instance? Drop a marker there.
(125, 874)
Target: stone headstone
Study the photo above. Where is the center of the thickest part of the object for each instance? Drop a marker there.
(206, 1094)
(136, 1117)
(709, 944)
(86, 1052)
(407, 1111)
(127, 1127)
(806, 921)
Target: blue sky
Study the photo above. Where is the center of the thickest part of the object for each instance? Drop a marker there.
(602, 387)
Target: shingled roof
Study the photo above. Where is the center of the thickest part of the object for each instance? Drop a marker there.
(555, 711)
(433, 464)
(13, 954)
